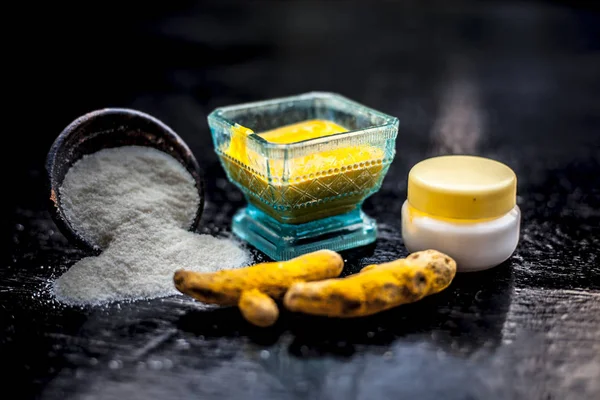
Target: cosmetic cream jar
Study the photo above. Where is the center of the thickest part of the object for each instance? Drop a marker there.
(463, 206)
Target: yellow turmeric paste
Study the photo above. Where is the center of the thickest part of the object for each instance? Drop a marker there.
(301, 131)
(308, 187)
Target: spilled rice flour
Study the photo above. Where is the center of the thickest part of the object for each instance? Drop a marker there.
(136, 203)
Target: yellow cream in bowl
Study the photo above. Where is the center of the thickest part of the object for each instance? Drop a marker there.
(308, 187)
(301, 131)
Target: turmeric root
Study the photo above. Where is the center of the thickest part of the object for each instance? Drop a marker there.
(258, 308)
(375, 288)
(229, 287)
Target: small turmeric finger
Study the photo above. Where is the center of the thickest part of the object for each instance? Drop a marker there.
(258, 308)
(225, 287)
(440, 266)
(331, 297)
(375, 288)
(368, 268)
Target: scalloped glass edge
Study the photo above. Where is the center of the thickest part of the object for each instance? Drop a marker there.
(383, 126)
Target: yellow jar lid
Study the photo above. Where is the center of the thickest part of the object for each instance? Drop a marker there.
(462, 187)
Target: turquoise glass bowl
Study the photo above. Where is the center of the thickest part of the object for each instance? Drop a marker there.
(307, 195)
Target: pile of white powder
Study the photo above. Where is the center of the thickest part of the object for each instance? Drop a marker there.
(136, 203)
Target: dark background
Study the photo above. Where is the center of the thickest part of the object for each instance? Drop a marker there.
(515, 81)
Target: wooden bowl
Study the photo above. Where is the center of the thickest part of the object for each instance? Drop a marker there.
(106, 128)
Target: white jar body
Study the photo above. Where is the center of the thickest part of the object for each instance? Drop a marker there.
(474, 246)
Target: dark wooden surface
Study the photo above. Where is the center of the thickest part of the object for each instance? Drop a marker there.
(519, 82)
